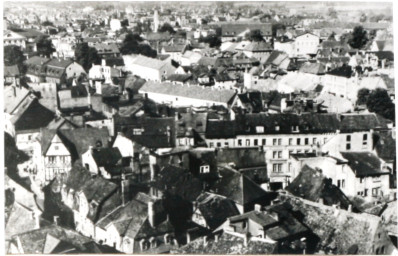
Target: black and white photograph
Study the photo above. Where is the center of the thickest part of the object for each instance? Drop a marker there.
(199, 127)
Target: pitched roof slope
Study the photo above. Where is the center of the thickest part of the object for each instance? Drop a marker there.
(191, 91)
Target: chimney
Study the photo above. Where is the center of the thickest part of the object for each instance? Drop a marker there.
(246, 239)
(216, 238)
(188, 237)
(257, 208)
(36, 218)
(320, 201)
(151, 214)
(204, 240)
(349, 208)
(56, 218)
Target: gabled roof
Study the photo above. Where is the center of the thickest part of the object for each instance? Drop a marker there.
(343, 71)
(364, 163)
(360, 122)
(106, 48)
(13, 96)
(215, 209)
(33, 116)
(239, 188)
(178, 181)
(149, 62)
(33, 242)
(79, 140)
(313, 68)
(11, 71)
(258, 47)
(312, 185)
(189, 91)
(106, 156)
(384, 144)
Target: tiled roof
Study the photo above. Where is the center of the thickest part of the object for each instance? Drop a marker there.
(364, 163)
(313, 68)
(215, 209)
(241, 157)
(239, 188)
(258, 47)
(148, 62)
(106, 156)
(11, 71)
(189, 91)
(312, 185)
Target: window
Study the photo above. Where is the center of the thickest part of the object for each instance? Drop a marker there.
(361, 180)
(365, 140)
(342, 183)
(239, 142)
(51, 159)
(29, 137)
(290, 141)
(274, 142)
(56, 147)
(314, 141)
(277, 168)
(338, 183)
(306, 141)
(219, 144)
(279, 154)
(375, 191)
(348, 146)
(255, 142)
(226, 144)
(348, 137)
(211, 144)
(259, 129)
(137, 131)
(295, 128)
(274, 154)
(291, 152)
(264, 142)
(279, 141)
(298, 141)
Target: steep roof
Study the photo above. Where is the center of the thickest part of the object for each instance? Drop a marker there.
(343, 71)
(384, 144)
(11, 71)
(79, 140)
(34, 116)
(13, 96)
(239, 188)
(215, 209)
(364, 163)
(241, 157)
(106, 156)
(153, 63)
(189, 91)
(312, 185)
(360, 122)
(33, 242)
(313, 68)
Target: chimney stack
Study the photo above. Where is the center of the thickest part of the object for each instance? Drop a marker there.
(151, 213)
(257, 208)
(56, 220)
(349, 208)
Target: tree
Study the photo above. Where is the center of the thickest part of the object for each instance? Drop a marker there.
(86, 56)
(166, 27)
(358, 38)
(47, 23)
(131, 45)
(212, 40)
(362, 96)
(380, 102)
(44, 46)
(255, 35)
(13, 56)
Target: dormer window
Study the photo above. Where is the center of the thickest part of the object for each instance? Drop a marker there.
(295, 128)
(153, 242)
(277, 128)
(204, 169)
(259, 129)
(167, 239)
(144, 245)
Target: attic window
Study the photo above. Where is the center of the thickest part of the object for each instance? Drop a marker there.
(259, 129)
(295, 128)
(205, 169)
(277, 128)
